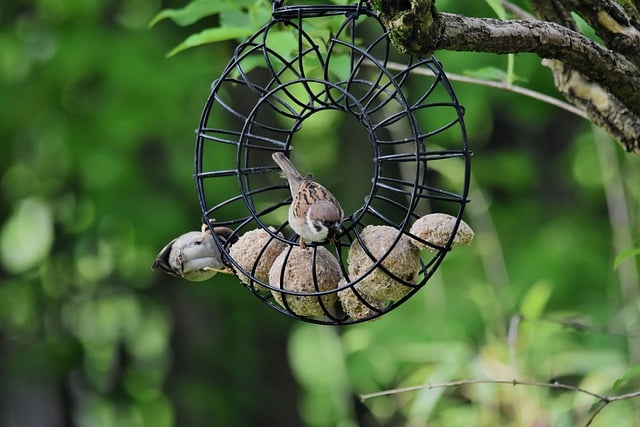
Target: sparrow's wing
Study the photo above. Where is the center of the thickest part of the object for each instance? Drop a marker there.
(310, 192)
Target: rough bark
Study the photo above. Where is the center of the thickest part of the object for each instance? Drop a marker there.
(602, 80)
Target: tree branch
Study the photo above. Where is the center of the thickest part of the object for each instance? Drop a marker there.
(420, 31)
(609, 88)
(553, 11)
(602, 109)
(620, 32)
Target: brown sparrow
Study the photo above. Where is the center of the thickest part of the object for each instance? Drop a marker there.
(315, 214)
(193, 256)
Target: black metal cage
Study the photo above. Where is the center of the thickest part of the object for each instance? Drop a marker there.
(306, 60)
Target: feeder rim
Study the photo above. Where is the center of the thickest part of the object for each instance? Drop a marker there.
(319, 10)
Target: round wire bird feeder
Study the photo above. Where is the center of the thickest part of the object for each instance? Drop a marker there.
(317, 58)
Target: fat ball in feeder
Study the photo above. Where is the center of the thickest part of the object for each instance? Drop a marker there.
(306, 271)
(255, 252)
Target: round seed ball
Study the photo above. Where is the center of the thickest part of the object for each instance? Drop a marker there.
(436, 228)
(403, 262)
(298, 276)
(248, 253)
(354, 306)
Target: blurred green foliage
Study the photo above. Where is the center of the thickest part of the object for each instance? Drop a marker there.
(97, 129)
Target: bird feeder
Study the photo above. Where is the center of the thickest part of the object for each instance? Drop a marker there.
(315, 58)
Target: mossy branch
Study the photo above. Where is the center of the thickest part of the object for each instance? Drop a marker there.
(601, 80)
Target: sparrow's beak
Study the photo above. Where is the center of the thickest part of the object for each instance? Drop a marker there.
(336, 229)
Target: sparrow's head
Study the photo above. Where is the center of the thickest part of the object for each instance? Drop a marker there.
(324, 220)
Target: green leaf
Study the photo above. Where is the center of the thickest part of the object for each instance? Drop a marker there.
(631, 374)
(488, 73)
(27, 236)
(210, 35)
(248, 64)
(317, 360)
(316, 357)
(497, 8)
(341, 66)
(284, 42)
(534, 301)
(624, 255)
(192, 12)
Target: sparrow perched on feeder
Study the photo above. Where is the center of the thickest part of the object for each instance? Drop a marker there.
(193, 256)
(315, 214)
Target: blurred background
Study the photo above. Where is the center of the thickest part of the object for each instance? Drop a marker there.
(97, 128)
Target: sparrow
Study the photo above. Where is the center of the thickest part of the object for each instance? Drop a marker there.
(314, 214)
(193, 256)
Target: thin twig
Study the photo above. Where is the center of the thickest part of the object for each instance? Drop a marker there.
(596, 412)
(500, 85)
(521, 91)
(604, 400)
(516, 10)
(604, 403)
(459, 383)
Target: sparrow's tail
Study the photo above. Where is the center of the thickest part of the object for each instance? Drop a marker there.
(288, 169)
